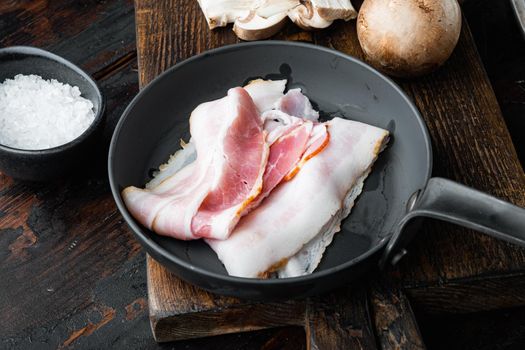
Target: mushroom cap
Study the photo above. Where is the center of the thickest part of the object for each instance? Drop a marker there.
(408, 37)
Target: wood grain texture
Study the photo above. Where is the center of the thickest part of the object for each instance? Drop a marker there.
(501, 59)
(63, 247)
(394, 321)
(171, 31)
(495, 330)
(179, 310)
(340, 320)
(471, 144)
(472, 295)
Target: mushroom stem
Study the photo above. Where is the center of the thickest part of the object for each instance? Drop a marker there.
(219, 13)
(307, 17)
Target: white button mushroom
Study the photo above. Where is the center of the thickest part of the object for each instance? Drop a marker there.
(408, 37)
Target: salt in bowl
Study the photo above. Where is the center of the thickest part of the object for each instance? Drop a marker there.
(52, 163)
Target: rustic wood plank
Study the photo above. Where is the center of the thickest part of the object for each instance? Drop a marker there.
(340, 320)
(61, 242)
(285, 338)
(64, 250)
(495, 330)
(470, 295)
(502, 60)
(394, 321)
(171, 31)
(101, 34)
(179, 310)
(471, 145)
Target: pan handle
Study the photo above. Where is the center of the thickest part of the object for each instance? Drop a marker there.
(450, 201)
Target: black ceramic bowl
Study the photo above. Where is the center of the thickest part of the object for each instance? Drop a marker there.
(52, 163)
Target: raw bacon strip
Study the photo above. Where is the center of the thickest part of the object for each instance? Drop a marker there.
(225, 178)
(177, 161)
(185, 190)
(269, 95)
(245, 153)
(308, 258)
(145, 204)
(207, 197)
(298, 210)
(296, 104)
(265, 93)
(285, 154)
(318, 141)
(277, 124)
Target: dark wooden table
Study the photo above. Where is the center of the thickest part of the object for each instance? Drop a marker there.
(72, 275)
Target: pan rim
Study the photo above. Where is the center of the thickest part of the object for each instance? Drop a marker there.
(150, 244)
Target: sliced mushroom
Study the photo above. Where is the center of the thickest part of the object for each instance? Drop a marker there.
(255, 27)
(219, 13)
(307, 17)
(260, 19)
(268, 8)
(335, 9)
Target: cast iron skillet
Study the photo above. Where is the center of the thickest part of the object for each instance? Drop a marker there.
(338, 85)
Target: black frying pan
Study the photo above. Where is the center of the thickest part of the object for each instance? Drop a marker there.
(338, 85)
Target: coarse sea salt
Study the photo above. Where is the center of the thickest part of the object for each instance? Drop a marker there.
(38, 114)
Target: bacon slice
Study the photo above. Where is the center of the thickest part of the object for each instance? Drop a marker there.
(285, 154)
(317, 142)
(265, 93)
(296, 104)
(237, 166)
(300, 209)
(269, 94)
(205, 198)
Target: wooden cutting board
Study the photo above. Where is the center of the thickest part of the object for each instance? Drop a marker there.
(471, 145)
